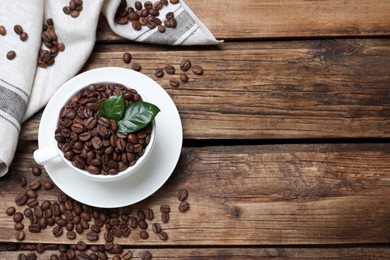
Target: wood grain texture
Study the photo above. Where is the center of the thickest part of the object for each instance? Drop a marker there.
(254, 195)
(264, 90)
(342, 253)
(247, 19)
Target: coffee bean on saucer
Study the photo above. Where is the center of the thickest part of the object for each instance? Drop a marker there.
(11, 55)
(3, 31)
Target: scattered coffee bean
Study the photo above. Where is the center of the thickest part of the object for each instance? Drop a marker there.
(127, 255)
(184, 206)
(182, 194)
(165, 217)
(174, 83)
(48, 185)
(36, 171)
(57, 231)
(31, 193)
(35, 185)
(23, 36)
(174, 1)
(146, 255)
(185, 65)
(18, 29)
(136, 66)
(19, 226)
(149, 214)
(10, 211)
(163, 235)
(198, 70)
(169, 69)
(34, 228)
(156, 227)
(21, 200)
(184, 77)
(11, 55)
(144, 235)
(165, 208)
(159, 73)
(40, 248)
(22, 181)
(18, 217)
(19, 235)
(161, 28)
(126, 57)
(3, 31)
(92, 236)
(138, 5)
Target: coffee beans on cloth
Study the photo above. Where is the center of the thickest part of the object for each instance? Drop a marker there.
(91, 142)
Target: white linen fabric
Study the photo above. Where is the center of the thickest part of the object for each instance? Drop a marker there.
(26, 88)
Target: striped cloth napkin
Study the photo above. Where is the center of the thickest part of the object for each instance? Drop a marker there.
(26, 88)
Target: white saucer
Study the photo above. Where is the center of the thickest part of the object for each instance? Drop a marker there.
(152, 174)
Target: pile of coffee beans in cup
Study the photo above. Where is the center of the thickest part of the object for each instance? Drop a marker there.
(147, 14)
(77, 222)
(90, 141)
(50, 40)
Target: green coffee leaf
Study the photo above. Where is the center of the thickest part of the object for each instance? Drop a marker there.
(113, 108)
(137, 116)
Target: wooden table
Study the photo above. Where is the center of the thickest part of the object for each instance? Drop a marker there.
(286, 149)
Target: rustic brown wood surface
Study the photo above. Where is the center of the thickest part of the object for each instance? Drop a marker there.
(286, 136)
(254, 195)
(262, 90)
(367, 253)
(293, 18)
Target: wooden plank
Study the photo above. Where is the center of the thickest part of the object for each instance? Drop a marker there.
(253, 195)
(303, 253)
(277, 19)
(264, 90)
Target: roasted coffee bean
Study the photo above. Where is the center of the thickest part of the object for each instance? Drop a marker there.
(128, 254)
(163, 235)
(42, 223)
(165, 208)
(149, 214)
(48, 185)
(71, 235)
(70, 253)
(40, 248)
(21, 200)
(18, 29)
(10, 211)
(31, 193)
(23, 36)
(165, 217)
(108, 236)
(3, 31)
(31, 256)
(81, 246)
(27, 212)
(116, 230)
(136, 66)
(184, 77)
(127, 57)
(174, 83)
(138, 5)
(19, 235)
(169, 15)
(198, 70)
(161, 28)
(185, 65)
(133, 222)
(22, 181)
(83, 256)
(184, 206)
(92, 236)
(11, 55)
(36, 171)
(35, 185)
(32, 202)
(174, 1)
(142, 224)
(18, 217)
(34, 228)
(146, 255)
(169, 69)
(156, 227)
(116, 257)
(57, 231)
(143, 234)
(19, 226)
(182, 194)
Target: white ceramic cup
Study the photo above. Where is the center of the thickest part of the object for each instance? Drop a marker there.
(52, 154)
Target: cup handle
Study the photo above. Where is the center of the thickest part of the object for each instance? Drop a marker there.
(45, 155)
